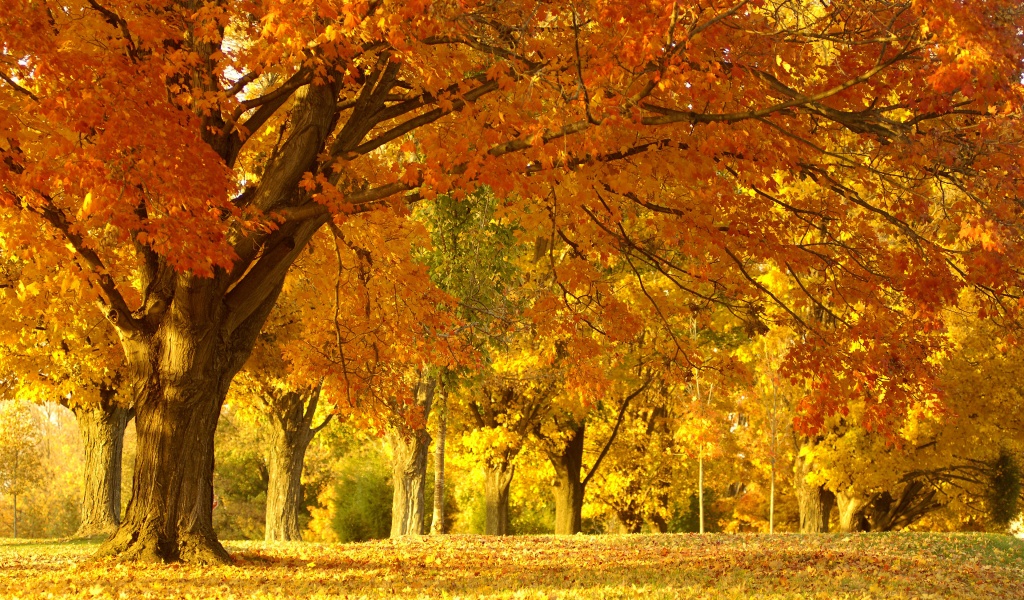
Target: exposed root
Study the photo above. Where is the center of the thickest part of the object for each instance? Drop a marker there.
(142, 544)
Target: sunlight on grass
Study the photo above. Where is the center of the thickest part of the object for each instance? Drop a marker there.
(665, 566)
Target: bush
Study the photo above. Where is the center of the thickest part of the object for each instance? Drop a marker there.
(362, 498)
(687, 519)
(1005, 490)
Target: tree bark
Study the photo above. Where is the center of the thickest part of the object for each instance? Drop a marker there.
(410, 468)
(569, 487)
(178, 374)
(102, 428)
(851, 513)
(291, 417)
(815, 502)
(497, 480)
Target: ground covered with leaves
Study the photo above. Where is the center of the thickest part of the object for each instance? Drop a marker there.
(663, 566)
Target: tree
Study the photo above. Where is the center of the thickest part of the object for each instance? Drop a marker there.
(21, 464)
(348, 351)
(52, 352)
(188, 159)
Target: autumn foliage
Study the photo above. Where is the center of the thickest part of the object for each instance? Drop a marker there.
(615, 217)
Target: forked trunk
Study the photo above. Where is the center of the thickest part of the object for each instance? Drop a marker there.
(630, 521)
(410, 467)
(179, 376)
(102, 429)
(497, 479)
(569, 487)
(291, 419)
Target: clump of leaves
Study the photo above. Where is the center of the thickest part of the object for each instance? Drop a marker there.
(1004, 499)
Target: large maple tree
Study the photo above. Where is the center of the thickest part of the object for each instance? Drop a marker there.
(182, 154)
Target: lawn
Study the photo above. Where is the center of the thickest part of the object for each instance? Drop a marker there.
(661, 566)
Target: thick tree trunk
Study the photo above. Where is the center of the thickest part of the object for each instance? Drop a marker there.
(291, 417)
(410, 468)
(191, 333)
(815, 507)
(170, 515)
(285, 459)
(815, 502)
(851, 513)
(179, 374)
(410, 476)
(497, 479)
(569, 487)
(102, 428)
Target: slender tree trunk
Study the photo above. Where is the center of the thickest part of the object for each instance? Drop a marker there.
(102, 428)
(497, 480)
(568, 487)
(15, 500)
(437, 520)
(410, 468)
(700, 490)
(291, 416)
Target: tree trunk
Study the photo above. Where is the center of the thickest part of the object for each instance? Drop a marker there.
(410, 468)
(568, 487)
(700, 492)
(179, 374)
(410, 476)
(851, 513)
(437, 519)
(815, 501)
(291, 417)
(497, 479)
(102, 428)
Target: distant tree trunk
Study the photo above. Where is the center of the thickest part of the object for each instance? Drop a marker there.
(815, 502)
(102, 428)
(14, 498)
(851, 513)
(437, 519)
(569, 488)
(291, 416)
(410, 468)
(630, 519)
(497, 480)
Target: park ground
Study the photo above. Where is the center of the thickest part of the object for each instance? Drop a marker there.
(911, 565)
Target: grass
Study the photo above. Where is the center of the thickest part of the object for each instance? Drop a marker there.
(904, 565)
